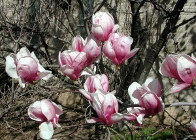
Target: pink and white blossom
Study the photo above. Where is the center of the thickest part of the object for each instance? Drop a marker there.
(106, 107)
(118, 48)
(103, 25)
(25, 67)
(180, 67)
(72, 63)
(147, 96)
(135, 114)
(93, 83)
(90, 46)
(47, 114)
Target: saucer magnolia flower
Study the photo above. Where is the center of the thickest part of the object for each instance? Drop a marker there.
(117, 48)
(47, 114)
(106, 107)
(71, 63)
(103, 25)
(90, 46)
(193, 126)
(147, 96)
(135, 114)
(25, 67)
(93, 83)
(180, 67)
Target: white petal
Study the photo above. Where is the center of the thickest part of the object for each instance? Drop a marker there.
(10, 67)
(139, 119)
(46, 130)
(21, 82)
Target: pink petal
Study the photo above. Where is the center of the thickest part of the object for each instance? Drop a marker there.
(150, 102)
(186, 68)
(104, 82)
(78, 43)
(97, 31)
(116, 26)
(131, 54)
(48, 109)
(94, 120)
(58, 109)
(97, 107)
(35, 112)
(155, 86)
(108, 106)
(92, 49)
(115, 118)
(109, 52)
(86, 94)
(169, 67)
(122, 47)
(178, 87)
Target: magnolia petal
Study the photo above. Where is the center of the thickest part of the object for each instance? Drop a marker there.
(178, 87)
(108, 106)
(78, 43)
(108, 50)
(35, 113)
(10, 67)
(21, 82)
(116, 26)
(58, 109)
(140, 119)
(43, 74)
(86, 94)
(115, 118)
(133, 88)
(59, 60)
(193, 57)
(131, 54)
(94, 120)
(104, 82)
(169, 67)
(161, 105)
(97, 107)
(46, 130)
(22, 53)
(48, 110)
(186, 67)
(98, 32)
(155, 86)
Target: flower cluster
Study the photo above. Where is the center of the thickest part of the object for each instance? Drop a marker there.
(25, 67)
(85, 52)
